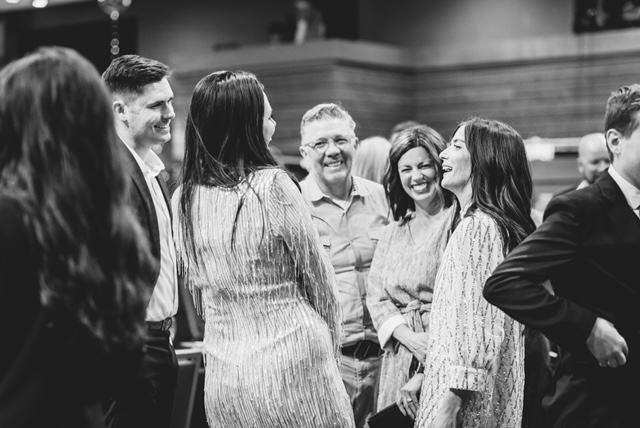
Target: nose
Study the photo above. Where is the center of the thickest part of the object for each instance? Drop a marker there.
(416, 174)
(443, 154)
(332, 148)
(169, 112)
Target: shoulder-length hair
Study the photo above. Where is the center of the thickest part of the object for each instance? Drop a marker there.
(371, 158)
(59, 161)
(500, 177)
(433, 143)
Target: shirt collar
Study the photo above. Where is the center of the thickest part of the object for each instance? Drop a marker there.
(315, 193)
(630, 192)
(151, 165)
(583, 183)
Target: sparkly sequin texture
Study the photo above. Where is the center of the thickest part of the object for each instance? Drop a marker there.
(473, 345)
(272, 321)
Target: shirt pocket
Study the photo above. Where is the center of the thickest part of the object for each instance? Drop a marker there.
(375, 234)
(326, 242)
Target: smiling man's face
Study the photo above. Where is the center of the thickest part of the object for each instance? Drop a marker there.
(332, 166)
(148, 116)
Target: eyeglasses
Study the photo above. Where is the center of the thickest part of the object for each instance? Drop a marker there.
(321, 145)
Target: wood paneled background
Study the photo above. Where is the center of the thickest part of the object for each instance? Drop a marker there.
(559, 92)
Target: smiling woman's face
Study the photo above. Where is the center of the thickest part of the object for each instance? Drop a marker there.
(418, 176)
(456, 167)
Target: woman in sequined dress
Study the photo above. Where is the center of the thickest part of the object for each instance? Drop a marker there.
(254, 263)
(474, 370)
(403, 270)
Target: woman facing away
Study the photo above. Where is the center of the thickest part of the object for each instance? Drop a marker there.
(371, 159)
(72, 255)
(255, 264)
(474, 370)
(404, 267)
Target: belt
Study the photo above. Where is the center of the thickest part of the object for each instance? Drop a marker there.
(163, 325)
(362, 350)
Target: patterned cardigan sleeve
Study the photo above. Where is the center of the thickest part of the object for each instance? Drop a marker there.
(479, 326)
(386, 316)
(291, 220)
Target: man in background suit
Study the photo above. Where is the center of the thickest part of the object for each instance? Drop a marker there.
(593, 160)
(589, 247)
(143, 112)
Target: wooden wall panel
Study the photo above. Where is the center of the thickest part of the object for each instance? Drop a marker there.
(554, 96)
(551, 99)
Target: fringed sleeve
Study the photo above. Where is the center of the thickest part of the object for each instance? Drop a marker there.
(291, 221)
(185, 258)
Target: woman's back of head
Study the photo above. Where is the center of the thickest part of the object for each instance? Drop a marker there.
(224, 139)
(60, 161)
(371, 158)
(501, 176)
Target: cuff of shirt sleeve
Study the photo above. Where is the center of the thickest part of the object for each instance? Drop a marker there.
(466, 378)
(386, 330)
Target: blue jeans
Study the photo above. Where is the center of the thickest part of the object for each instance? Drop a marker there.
(361, 379)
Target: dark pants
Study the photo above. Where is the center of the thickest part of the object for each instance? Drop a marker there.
(149, 402)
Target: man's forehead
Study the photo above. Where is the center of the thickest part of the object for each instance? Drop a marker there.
(151, 92)
(327, 128)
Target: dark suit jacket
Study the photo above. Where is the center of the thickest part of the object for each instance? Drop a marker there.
(567, 189)
(142, 203)
(589, 246)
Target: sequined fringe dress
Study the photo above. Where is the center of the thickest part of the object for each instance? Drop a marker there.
(272, 321)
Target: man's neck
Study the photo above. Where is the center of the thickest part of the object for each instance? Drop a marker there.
(633, 179)
(141, 150)
(340, 190)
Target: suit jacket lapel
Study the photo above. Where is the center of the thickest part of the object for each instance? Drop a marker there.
(141, 189)
(165, 193)
(615, 204)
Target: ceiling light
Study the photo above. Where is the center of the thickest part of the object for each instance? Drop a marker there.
(40, 3)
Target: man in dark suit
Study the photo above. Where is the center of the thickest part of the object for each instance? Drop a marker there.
(143, 112)
(589, 247)
(593, 160)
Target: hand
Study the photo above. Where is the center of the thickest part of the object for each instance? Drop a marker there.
(447, 416)
(415, 342)
(408, 399)
(607, 345)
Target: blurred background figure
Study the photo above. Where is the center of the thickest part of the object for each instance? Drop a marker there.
(403, 270)
(308, 22)
(255, 265)
(371, 158)
(593, 160)
(72, 256)
(401, 126)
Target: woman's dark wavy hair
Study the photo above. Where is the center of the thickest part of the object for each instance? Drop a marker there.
(500, 177)
(59, 161)
(224, 142)
(433, 143)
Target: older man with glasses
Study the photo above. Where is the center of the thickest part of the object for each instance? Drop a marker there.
(349, 213)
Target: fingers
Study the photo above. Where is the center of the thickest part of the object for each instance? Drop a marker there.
(408, 405)
(413, 406)
(616, 360)
(400, 402)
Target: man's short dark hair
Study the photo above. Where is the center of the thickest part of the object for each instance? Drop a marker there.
(129, 74)
(622, 108)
